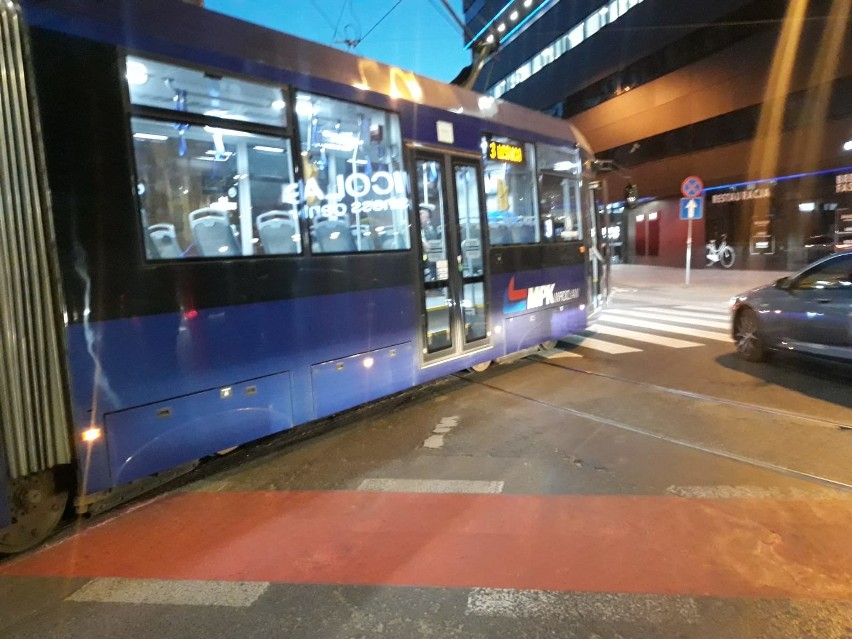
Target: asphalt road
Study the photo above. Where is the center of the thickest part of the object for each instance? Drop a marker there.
(637, 481)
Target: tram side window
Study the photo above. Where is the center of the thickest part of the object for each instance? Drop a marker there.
(356, 191)
(560, 195)
(214, 186)
(510, 192)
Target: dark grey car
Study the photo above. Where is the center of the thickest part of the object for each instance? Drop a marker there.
(808, 312)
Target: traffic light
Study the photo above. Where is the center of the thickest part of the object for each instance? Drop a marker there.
(631, 195)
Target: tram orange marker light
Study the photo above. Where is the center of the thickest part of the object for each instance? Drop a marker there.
(582, 249)
(91, 434)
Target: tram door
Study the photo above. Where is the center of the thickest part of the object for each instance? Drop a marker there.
(599, 247)
(450, 225)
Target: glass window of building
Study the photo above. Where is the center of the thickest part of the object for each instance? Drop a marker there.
(212, 164)
(355, 191)
(575, 36)
(593, 24)
(560, 194)
(614, 11)
(510, 191)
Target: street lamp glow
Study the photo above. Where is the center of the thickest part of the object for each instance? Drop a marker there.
(848, 145)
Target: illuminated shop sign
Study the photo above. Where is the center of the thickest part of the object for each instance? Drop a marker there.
(741, 196)
(357, 193)
(843, 183)
(517, 300)
(505, 152)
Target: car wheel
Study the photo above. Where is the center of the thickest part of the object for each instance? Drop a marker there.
(747, 336)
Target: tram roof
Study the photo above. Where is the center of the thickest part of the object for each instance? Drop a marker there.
(171, 28)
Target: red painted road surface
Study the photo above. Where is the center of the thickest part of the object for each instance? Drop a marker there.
(655, 545)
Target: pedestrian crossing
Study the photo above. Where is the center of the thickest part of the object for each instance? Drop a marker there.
(622, 331)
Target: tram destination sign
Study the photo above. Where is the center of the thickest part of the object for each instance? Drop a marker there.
(505, 152)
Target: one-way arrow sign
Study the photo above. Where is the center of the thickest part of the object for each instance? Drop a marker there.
(691, 208)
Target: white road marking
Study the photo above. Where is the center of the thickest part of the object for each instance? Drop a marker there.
(235, 594)
(666, 328)
(671, 342)
(723, 312)
(754, 492)
(599, 345)
(449, 486)
(524, 604)
(556, 353)
(714, 317)
(656, 315)
(436, 440)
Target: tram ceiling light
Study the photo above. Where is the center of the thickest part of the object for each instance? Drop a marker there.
(268, 149)
(137, 73)
(527, 3)
(501, 27)
(153, 137)
(513, 16)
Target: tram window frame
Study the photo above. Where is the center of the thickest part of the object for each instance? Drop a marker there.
(190, 221)
(565, 165)
(386, 225)
(511, 193)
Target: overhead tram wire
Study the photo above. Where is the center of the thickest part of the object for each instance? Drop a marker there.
(371, 29)
(322, 13)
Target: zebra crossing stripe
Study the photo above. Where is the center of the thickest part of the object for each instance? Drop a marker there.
(724, 312)
(650, 338)
(665, 328)
(557, 353)
(668, 318)
(713, 317)
(599, 345)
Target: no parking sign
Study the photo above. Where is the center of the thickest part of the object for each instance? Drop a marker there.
(692, 186)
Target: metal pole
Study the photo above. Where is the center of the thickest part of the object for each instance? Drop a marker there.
(608, 251)
(688, 248)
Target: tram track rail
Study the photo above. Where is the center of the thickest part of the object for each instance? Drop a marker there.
(710, 450)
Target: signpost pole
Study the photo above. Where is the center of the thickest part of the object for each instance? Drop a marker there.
(691, 206)
(688, 248)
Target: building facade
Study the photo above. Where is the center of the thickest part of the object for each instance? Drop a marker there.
(754, 97)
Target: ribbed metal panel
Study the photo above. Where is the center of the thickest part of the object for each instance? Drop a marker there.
(33, 411)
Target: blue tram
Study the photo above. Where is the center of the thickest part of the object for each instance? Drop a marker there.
(212, 232)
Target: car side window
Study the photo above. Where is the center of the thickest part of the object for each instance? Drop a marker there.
(834, 274)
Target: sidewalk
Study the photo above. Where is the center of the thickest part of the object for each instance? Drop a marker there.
(713, 286)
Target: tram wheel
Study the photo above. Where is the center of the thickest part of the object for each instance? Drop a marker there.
(38, 502)
(481, 367)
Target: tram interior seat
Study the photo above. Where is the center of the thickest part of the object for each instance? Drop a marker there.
(523, 231)
(334, 236)
(471, 231)
(213, 233)
(472, 253)
(363, 236)
(499, 233)
(392, 240)
(162, 242)
(278, 232)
